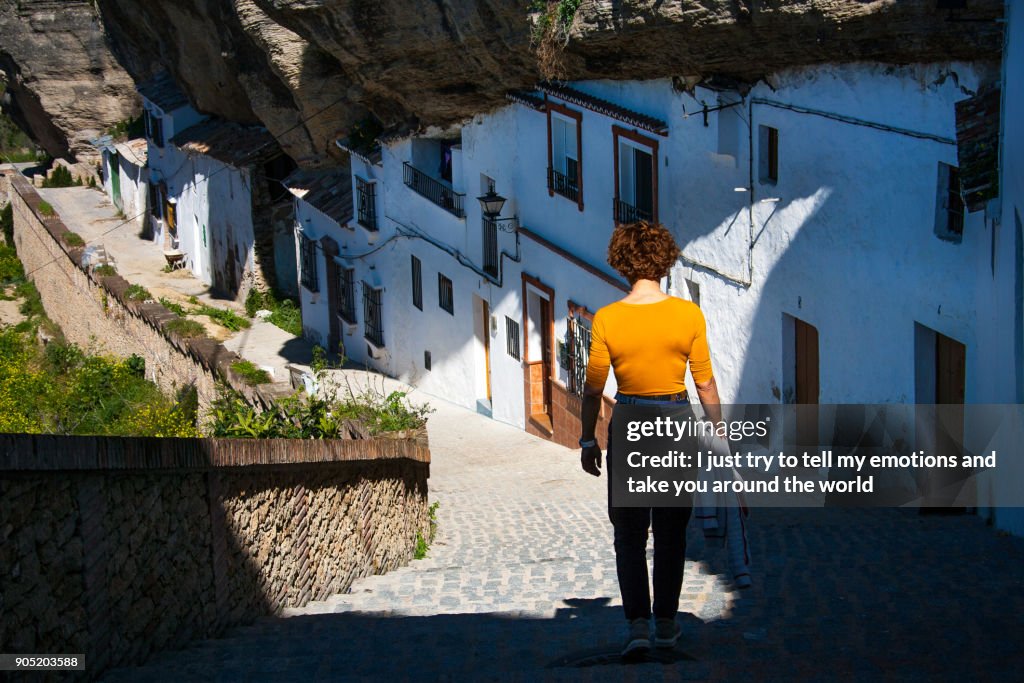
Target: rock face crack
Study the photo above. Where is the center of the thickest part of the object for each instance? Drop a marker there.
(410, 64)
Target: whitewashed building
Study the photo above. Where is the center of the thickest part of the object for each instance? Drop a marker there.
(125, 175)
(823, 229)
(218, 203)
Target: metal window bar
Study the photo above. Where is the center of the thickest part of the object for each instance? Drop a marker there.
(579, 353)
(366, 204)
(347, 295)
(434, 190)
(512, 337)
(372, 321)
(564, 185)
(627, 213)
(445, 293)
(490, 247)
(309, 278)
(417, 283)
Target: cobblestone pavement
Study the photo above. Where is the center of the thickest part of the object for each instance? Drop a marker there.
(520, 585)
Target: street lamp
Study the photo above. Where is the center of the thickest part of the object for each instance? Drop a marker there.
(491, 203)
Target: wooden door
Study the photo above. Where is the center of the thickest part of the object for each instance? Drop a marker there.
(485, 322)
(806, 382)
(546, 353)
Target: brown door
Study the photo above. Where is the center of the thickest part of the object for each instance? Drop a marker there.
(485, 322)
(806, 384)
(947, 484)
(546, 355)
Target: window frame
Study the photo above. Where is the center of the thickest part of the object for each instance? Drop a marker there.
(576, 375)
(577, 118)
(444, 281)
(346, 294)
(513, 342)
(638, 140)
(307, 263)
(950, 207)
(373, 311)
(768, 154)
(416, 275)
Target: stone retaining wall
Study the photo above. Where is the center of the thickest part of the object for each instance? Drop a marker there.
(93, 312)
(119, 547)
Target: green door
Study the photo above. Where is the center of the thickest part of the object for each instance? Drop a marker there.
(115, 178)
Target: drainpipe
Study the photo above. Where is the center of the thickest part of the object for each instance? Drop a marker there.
(750, 180)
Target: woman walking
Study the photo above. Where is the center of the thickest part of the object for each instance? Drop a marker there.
(649, 338)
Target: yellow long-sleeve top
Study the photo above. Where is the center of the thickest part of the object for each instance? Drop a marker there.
(649, 346)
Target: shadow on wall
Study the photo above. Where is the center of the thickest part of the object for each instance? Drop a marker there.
(122, 563)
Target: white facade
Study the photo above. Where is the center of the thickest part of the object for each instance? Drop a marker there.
(1000, 300)
(125, 178)
(844, 239)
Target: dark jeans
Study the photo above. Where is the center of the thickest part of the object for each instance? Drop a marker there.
(631, 525)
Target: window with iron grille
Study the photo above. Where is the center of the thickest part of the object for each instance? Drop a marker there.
(445, 293)
(417, 283)
(366, 203)
(512, 337)
(154, 128)
(347, 295)
(949, 214)
(307, 249)
(578, 338)
(156, 204)
(768, 154)
(373, 323)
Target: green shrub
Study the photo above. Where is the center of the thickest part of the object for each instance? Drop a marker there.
(137, 293)
(105, 270)
(283, 311)
(7, 223)
(46, 208)
(62, 390)
(136, 364)
(73, 239)
(423, 544)
(11, 269)
(224, 317)
(186, 329)
(32, 306)
(250, 373)
(173, 307)
(59, 177)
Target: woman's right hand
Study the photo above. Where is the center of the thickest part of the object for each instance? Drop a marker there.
(590, 459)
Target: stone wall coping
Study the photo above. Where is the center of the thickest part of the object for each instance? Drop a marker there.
(49, 452)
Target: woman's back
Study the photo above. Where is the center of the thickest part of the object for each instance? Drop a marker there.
(649, 345)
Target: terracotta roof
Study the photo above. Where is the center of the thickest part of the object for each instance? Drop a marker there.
(136, 150)
(605, 107)
(327, 190)
(229, 142)
(163, 91)
(977, 145)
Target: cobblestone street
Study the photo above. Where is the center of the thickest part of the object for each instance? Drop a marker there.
(520, 585)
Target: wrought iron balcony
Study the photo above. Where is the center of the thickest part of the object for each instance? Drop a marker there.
(490, 247)
(563, 184)
(627, 213)
(434, 190)
(366, 203)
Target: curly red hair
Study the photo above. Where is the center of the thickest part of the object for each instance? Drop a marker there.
(642, 251)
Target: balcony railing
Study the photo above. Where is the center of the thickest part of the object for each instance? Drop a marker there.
(627, 213)
(434, 190)
(564, 185)
(366, 203)
(490, 247)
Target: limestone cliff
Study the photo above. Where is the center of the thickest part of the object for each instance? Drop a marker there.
(310, 69)
(63, 84)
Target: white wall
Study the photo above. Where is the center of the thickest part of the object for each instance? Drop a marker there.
(1000, 292)
(214, 217)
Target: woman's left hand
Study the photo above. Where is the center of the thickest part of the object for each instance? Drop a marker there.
(590, 458)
